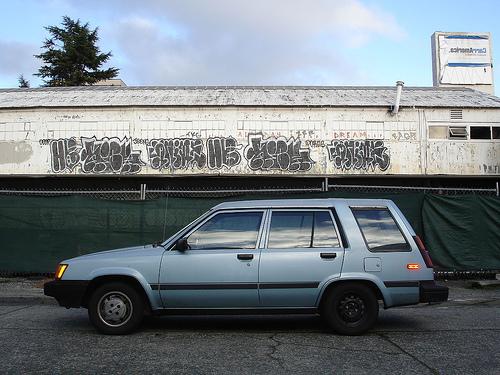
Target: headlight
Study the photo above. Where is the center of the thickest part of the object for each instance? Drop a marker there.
(61, 268)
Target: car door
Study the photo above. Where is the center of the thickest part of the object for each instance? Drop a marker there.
(301, 252)
(220, 267)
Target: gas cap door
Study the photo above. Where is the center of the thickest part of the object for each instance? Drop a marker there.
(373, 264)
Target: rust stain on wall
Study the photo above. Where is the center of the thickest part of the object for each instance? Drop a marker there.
(15, 152)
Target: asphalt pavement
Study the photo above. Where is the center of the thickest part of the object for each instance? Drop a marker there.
(461, 336)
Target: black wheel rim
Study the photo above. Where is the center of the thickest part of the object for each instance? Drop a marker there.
(351, 308)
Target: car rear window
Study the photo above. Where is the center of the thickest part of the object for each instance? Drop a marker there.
(380, 230)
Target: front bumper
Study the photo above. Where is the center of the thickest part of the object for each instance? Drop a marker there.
(431, 292)
(68, 293)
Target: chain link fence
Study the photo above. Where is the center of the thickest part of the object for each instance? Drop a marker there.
(143, 193)
(214, 190)
(415, 189)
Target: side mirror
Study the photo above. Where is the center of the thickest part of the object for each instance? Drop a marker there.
(182, 244)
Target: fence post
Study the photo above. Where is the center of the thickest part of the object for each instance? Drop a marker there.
(143, 192)
(498, 190)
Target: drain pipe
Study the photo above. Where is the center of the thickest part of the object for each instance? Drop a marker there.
(399, 89)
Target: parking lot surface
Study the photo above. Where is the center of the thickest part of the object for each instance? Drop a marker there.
(461, 336)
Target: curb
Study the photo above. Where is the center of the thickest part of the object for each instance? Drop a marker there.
(482, 284)
(34, 300)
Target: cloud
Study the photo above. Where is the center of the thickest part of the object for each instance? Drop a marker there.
(226, 42)
(237, 42)
(17, 58)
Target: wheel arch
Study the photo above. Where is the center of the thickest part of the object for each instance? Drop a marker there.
(366, 282)
(126, 279)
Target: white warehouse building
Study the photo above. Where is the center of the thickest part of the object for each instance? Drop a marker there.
(344, 133)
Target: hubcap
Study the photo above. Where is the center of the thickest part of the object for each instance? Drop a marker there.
(115, 309)
(351, 308)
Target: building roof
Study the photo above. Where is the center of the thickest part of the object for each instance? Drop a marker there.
(253, 96)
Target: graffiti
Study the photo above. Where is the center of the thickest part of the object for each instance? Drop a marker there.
(109, 155)
(65, 154)
(358, 134)
(140, 141)
(106, 155)
(315, 143)
(176, 153)
(193, 134)
(304, 133)
(223, 152)
(493, 169)
(404, 136)
(277, 153)
(367, 154)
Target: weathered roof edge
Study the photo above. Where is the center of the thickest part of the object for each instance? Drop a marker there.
(243, 96)
(229, 87)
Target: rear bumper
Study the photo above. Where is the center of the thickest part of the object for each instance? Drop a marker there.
(431, 292)
(68, 293)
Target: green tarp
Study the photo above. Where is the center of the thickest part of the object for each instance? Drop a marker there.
(463, 232)
(37, 232)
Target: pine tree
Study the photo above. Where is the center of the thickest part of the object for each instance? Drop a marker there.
(72, 57)
(23, 83)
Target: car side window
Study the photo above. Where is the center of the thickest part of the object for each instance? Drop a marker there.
(380, 230)
(231, 230)
(302, 229)
(324, 231)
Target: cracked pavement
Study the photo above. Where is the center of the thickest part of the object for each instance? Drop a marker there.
(421, 340)
(461, 336)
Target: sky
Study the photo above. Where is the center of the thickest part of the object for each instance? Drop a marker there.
(257, 42)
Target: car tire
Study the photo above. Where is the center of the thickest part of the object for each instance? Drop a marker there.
(116, 308)
(350, 309)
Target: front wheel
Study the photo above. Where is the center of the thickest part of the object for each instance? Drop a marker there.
(350, 309)
(116, 308)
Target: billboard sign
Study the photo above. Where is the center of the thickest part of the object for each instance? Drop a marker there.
(465, 59)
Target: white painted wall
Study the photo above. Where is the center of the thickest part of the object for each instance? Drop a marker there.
(32, 142)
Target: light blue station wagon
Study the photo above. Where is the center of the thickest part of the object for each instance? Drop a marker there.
(335, 257)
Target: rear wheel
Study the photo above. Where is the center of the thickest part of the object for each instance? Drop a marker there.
(350, 308)
(116, 308)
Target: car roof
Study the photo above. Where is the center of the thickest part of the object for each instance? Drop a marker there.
(301, 203)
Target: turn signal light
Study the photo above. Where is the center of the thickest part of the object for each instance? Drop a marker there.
(413, 266)
(60, 270)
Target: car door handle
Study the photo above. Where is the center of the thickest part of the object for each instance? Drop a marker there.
(245, 256)
(328, 255)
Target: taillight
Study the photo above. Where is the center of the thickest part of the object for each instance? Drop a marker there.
(423, 251)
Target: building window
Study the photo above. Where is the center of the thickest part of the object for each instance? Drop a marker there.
(480, 132)
(473, 132)
(438, 132)
(496, 132)
(457, 132)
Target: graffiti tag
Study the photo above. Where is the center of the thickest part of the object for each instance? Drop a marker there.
(176, 153)
(277, 153)
(92, 155)
(359, 155)
(404, 136)
(223, 152)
